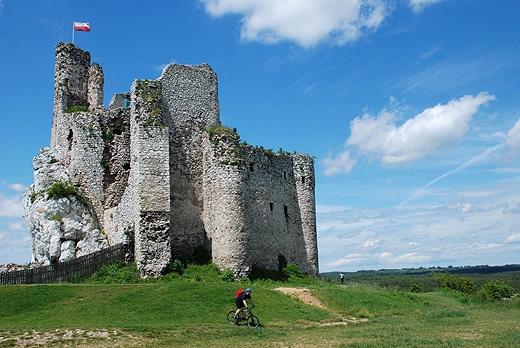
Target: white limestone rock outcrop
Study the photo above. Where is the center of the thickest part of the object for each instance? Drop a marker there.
(62, 228)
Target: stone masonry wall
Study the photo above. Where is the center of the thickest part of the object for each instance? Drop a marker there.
(71, 77)
(273, 214)
(150, 159)
(304, 178)
(190, 100)
(96, 81)
(224, 212)
(252, 207)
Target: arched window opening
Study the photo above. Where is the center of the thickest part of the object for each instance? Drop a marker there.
(282, 262)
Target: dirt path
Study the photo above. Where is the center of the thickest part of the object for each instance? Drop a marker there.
(304, 295)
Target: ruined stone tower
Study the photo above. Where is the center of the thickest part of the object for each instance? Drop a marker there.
(160, 171)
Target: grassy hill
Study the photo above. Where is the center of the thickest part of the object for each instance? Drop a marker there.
(190, 311)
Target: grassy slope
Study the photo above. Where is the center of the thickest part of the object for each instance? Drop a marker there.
(190, 313)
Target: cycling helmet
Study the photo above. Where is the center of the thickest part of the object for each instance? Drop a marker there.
(249, 290)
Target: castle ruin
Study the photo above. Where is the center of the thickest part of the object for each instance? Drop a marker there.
(160, 172)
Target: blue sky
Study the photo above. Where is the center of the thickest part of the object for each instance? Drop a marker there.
(411, 108)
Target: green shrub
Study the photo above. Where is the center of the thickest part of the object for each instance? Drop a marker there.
(495, 290)
(220, 130)
(177, 266)
(116, 273)
(227, 276)
(77, 108)
(467, 286)
(292, 270)
(202, 273)
(35, 195)
(245, 280)
(416, 288)
(56, 217)
(62, 189)
(461, 284)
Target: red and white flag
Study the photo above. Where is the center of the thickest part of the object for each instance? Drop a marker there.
(81, 26)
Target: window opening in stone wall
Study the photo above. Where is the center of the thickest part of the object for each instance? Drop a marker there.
(117, 131)
(81, 84)
(286, 211)
(282, 262)
(271, 206)
(251, 167)
(127, 102)
(303, 180)
(285, 175)
(70, 137)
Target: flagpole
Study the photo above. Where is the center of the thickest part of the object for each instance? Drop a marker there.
(72, 32)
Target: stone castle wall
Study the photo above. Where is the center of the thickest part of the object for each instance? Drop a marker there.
(150, 161)
(162, 173)
(190, 100)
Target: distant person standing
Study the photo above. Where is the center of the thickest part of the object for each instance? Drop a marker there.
(342, 277)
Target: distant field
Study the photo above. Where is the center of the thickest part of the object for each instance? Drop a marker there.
(403, 278)
(190, 312)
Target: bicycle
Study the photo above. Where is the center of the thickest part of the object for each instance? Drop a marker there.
(246, 315)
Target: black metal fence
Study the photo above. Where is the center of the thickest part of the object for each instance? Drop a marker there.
(73, 270)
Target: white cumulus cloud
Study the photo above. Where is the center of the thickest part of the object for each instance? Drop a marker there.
(340, 164)
(513, 138)
(17, 187)
(419, 5)
(11, 206)
(514, 238)
(432, 130)
(347, 260)
(369, 245)
(307, 22)
(406, 258)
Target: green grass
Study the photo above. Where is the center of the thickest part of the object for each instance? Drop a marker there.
(190, 311)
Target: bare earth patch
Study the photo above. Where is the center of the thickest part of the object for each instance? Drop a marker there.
(304, 295)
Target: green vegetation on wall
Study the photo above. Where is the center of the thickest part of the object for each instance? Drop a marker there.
(151, 94)
(62, 189)
(77, 108)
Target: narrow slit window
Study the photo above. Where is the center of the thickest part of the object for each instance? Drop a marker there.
(286, 211)
(303, 180)
(270, 206)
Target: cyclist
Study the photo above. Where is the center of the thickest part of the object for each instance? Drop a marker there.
(241, 301)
